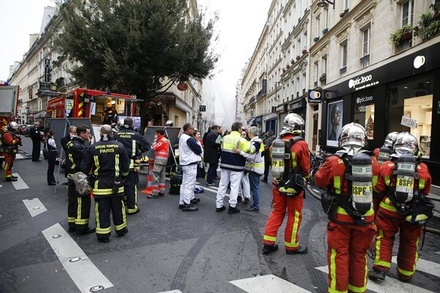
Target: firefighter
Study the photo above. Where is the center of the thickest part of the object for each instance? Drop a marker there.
(290, 166)
(11, 141)
(349, 177)
(382, 155)
(108, 164)
(404, 180)
(134, 144)
(78, 210)
(161, 147)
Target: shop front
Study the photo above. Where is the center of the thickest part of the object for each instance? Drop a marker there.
(398, 95)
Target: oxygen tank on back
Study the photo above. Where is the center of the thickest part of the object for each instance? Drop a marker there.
(362, 182)
(278, 158)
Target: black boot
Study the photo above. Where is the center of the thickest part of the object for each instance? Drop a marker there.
(269, 248)
(189, 208)
(233, 210)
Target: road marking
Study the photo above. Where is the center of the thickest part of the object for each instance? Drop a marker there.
(267, 283)
(34, 206)
(438, 252)
(76, 263)
(390, 285)
(172, 291)
(425, 266)
(19, 184)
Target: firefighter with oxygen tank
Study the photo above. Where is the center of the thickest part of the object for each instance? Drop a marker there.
(290, 166)
(406, 182)
(349, 177)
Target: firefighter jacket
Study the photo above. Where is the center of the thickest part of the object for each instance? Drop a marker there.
(190, 151)
(133, 142)
(11, 142)
(231, 160)
(331, 176)
(108, 163)
(255, 161)
(75, 153)
(161, 150)
(387, 180)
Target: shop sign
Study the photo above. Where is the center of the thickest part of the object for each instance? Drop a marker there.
(279, 108)
(361, 82)
(364, 100)
(315, 97)
(408, 122)
(296, 105)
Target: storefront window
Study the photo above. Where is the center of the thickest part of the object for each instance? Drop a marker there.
(364, 113)
(413, 100)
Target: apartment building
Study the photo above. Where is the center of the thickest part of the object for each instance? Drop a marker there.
(43, 74)
(372, 62)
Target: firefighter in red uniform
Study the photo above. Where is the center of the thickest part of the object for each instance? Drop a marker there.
(382, 155)
(290, 165)
(405, 181)
(161, 148)
(349, 177)
(11, 142)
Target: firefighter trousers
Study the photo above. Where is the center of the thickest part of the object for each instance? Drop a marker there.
(78, 209)
(9, 163)
(407, 254)
(131, 191)
(282, 204)
(347, 256)
(103, 207)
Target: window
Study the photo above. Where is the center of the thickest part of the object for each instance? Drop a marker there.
(318, 26)
(366, 39)
(344, 53)
(324, 64)
(413, 99)
(364, 114)
(346, 4)
(408, 13)
(326, 18)
(316, 73)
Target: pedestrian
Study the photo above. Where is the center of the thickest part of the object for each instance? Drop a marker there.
(52, 154)
(37, 137)
(232, 166)
(108, 163)
(161, 147)
(212, 153)
(190, 152)
(270, 136)
(349, 176)
(254, 167)
(11, 141)
(288, 191)
(406, 182)
(134, 144)
(78, 210)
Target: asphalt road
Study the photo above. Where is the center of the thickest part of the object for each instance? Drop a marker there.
(166, 250)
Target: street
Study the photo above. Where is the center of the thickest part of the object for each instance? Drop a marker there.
(166, 250)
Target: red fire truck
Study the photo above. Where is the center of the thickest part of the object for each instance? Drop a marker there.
(87, 103)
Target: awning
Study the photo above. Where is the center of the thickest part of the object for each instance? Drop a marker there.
(259, 119)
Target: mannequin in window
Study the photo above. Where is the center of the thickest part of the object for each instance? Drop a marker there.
(335, 120)
(110, 114)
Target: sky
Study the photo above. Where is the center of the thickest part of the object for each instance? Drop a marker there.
(239, 27)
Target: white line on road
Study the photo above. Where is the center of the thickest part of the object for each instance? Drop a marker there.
(19, 184)
(267, 283)
(76, 263)
(34, 206)
(425, 266)
(390, 285)
(172, 291)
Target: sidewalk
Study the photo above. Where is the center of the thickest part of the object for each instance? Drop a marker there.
(434, 195)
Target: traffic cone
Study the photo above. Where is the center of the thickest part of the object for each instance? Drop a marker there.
(149, 189)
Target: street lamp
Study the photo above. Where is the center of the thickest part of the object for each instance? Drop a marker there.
(325, 3)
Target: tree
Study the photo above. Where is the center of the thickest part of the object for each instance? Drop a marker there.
(127, 45)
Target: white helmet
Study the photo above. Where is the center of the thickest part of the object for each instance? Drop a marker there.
(390, 139)
(169, 123)
(13, 126)
(294, 124)
(353, 135)
(405, 143)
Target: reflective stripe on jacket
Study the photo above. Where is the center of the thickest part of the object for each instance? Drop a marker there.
(255, 162)
(161, 150)
(229, 159)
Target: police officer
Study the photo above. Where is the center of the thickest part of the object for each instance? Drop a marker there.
(108, 163)
(78, 210)
(404, 180)
(349, 177)
(134, 144)
(288, 195)
(37, 136)
(11, 142)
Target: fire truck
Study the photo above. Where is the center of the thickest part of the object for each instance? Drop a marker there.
(8, 107)
(87, 103)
